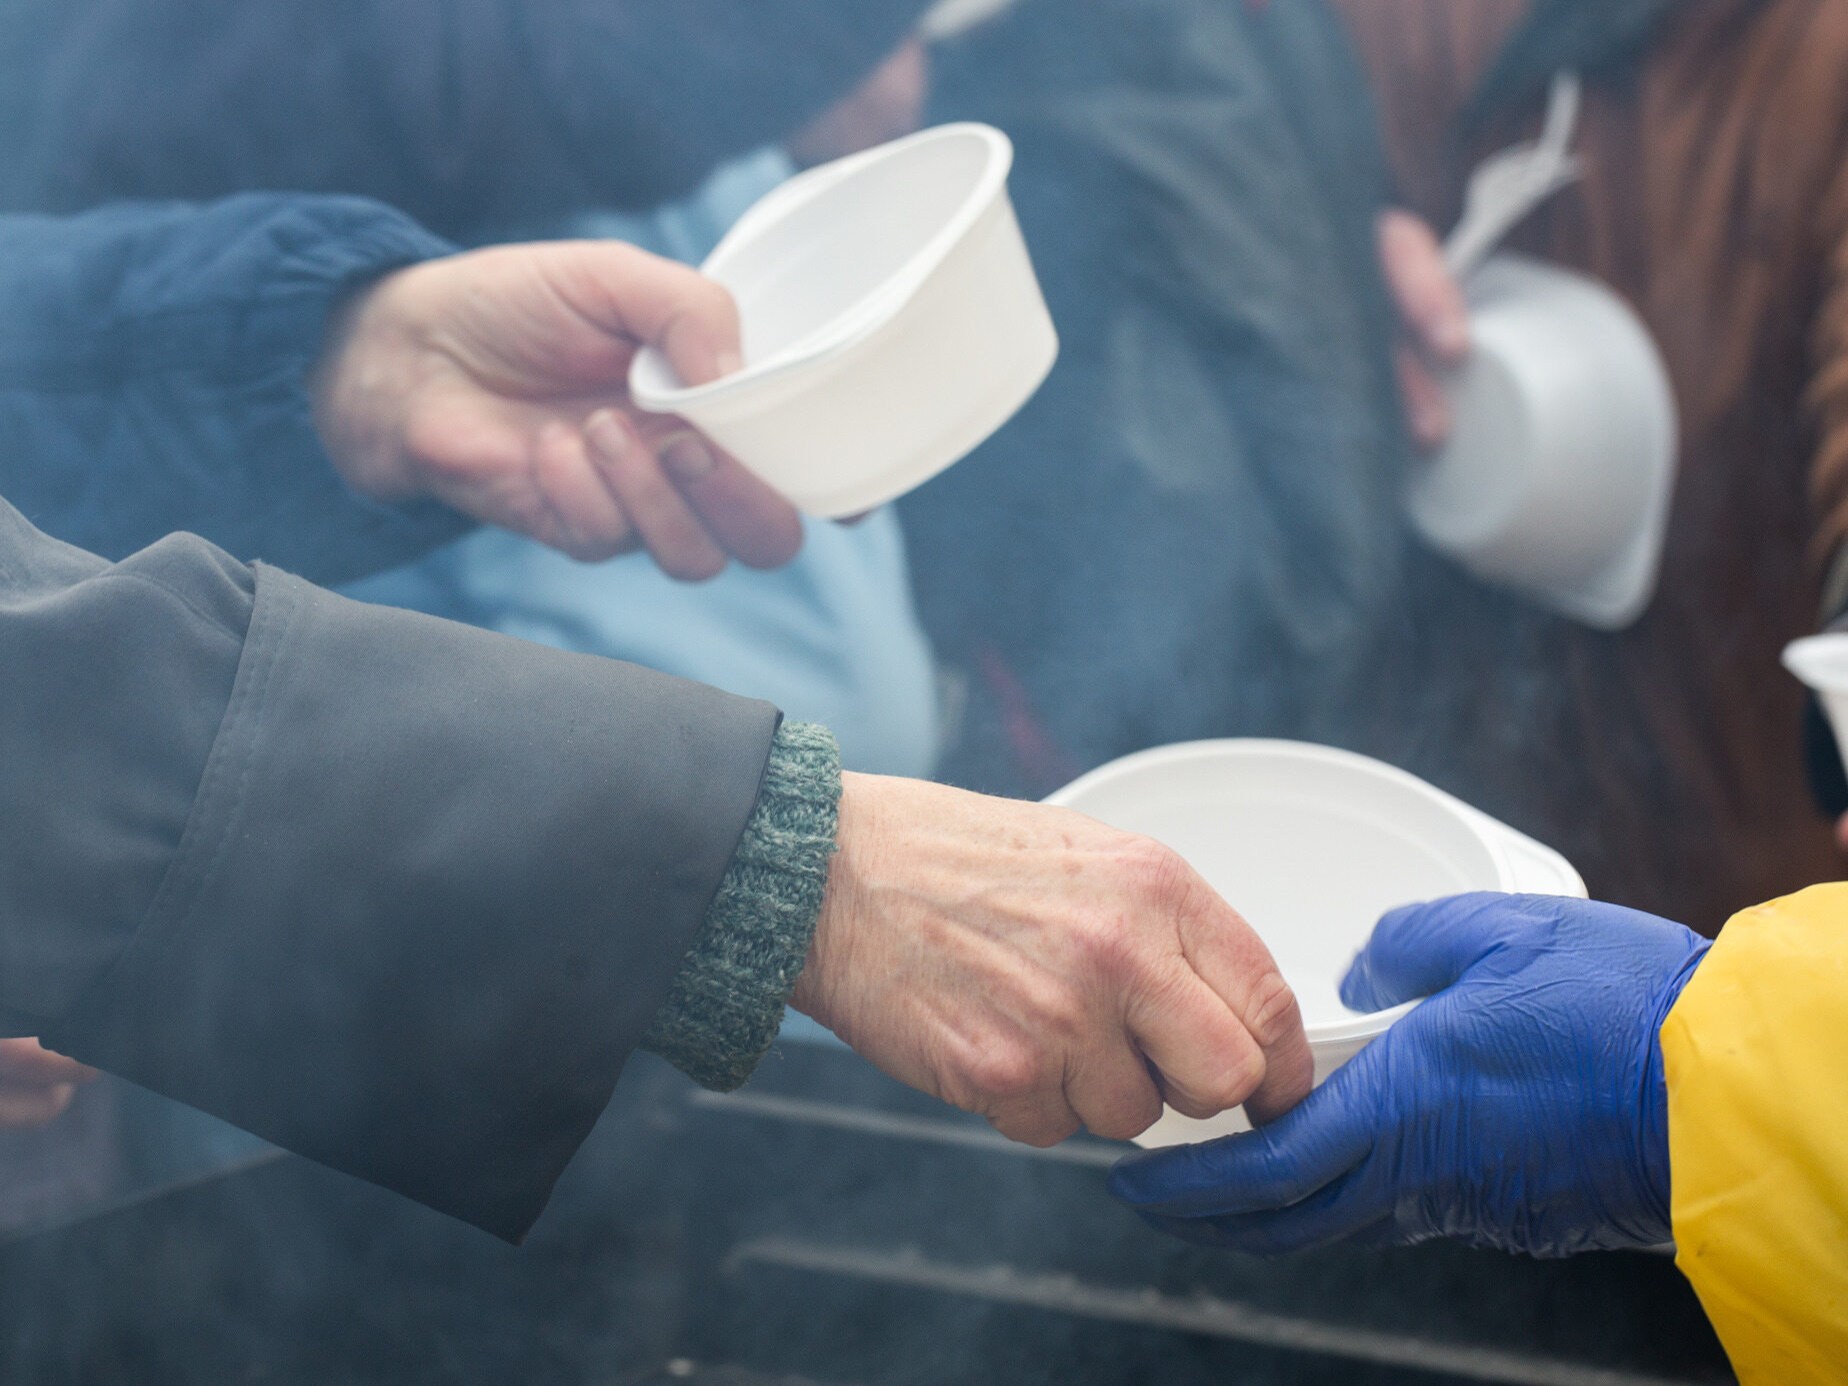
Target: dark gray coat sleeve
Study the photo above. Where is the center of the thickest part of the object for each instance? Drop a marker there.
(395, 894)
(463, 112)
(154, 363)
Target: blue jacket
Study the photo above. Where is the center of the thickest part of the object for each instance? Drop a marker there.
(152, 369)
(393, 893)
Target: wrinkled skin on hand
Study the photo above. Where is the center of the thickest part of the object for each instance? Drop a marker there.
(36, 1086)
(1034, 966)
(1522, 1107)
(497, 383)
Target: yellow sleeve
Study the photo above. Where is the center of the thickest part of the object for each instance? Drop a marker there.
(1756, 1055)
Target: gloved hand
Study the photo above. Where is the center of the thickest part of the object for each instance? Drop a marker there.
(1522, 1107)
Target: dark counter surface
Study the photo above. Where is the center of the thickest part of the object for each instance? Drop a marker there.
(822, 1228)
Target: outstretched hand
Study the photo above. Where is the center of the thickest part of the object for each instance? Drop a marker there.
(1521, 1107)
(496, 382)
(1032, 965)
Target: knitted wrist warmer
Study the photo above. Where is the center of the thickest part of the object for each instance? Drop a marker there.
(725, 1006)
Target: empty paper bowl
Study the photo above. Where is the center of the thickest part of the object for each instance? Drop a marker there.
(1312, 845)
(1559, 471)
(892, 322)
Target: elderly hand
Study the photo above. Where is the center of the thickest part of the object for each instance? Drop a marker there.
(1434, 317)
(35, 1084)
(1522, 1107)
(496, 382)
(1031, 965)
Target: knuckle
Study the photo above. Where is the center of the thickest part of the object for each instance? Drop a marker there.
(613, 267)
(1053, 1014)
(1008, 1073)
(1169, 988)
(1239, 1073)
(718, 299)
(701, 303)
(429, 441)
(1272, 1014)
(621, 257)
(1128, 1119)
(1041, 1132)
(1158, 874)
(1064, 1019)
(1197, 1108)
(1111, 944)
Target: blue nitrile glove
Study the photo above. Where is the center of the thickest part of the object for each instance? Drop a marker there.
(1522, 1107)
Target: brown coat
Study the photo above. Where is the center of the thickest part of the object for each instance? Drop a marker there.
(1717, 202)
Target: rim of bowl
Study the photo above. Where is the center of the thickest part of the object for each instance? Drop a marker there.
(853, 325)
(1327, 1034)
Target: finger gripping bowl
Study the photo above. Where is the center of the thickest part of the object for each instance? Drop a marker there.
(891, 319)
(1311, 845)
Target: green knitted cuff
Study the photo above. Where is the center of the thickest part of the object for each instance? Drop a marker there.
(725, 1007)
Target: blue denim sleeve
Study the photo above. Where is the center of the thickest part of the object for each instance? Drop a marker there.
(153, 369)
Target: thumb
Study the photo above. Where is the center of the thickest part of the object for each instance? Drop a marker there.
(1420, 950)
(1272, 1167)
(691, 319)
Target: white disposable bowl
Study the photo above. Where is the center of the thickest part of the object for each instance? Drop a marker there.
(892, 321)
(1560, 468)
(1312, 845)
(1821, 661)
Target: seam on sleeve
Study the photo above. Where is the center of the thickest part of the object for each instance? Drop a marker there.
(209, 829)
(267, 635)
(115, 576)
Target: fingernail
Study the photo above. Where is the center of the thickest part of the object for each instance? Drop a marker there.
(605, 432)
(687, 458)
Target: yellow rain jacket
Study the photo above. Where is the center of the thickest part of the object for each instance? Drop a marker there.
(1756, 1055)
